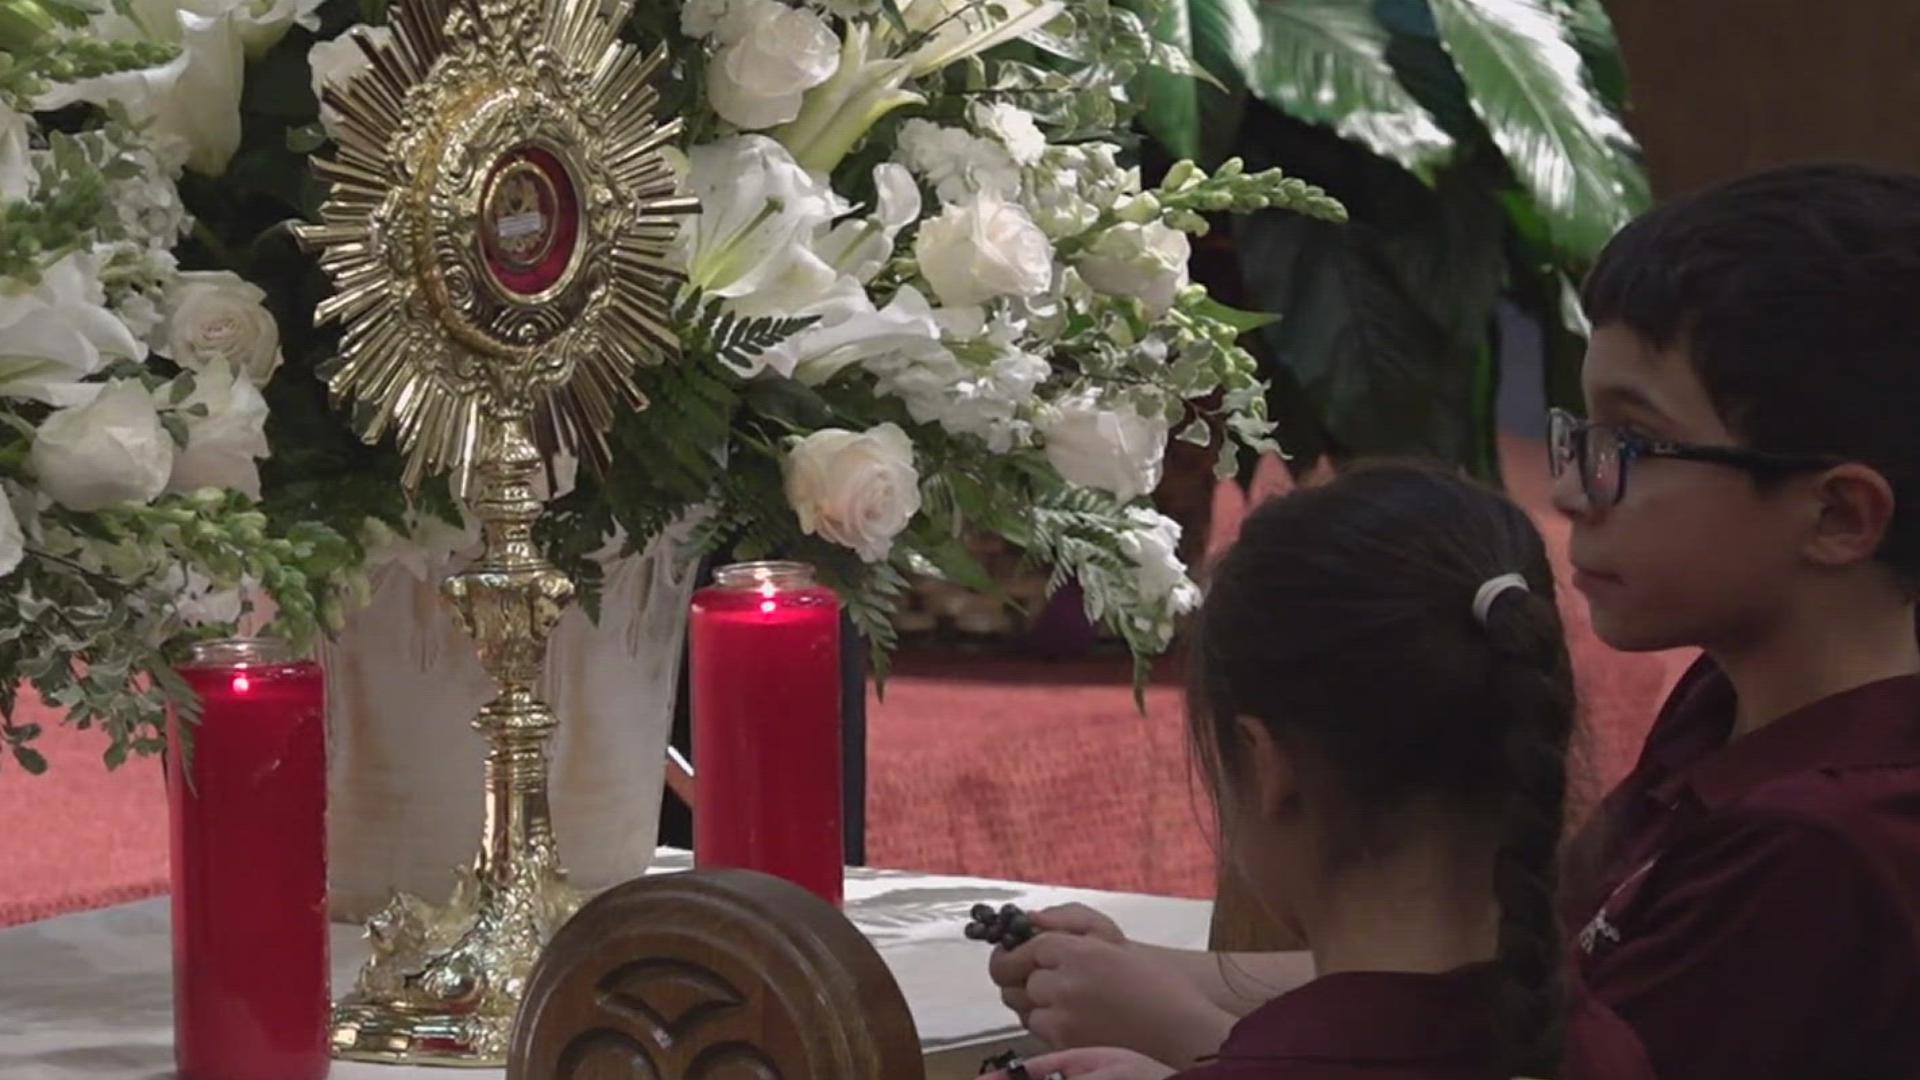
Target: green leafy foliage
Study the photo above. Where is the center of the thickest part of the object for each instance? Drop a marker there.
(1478, 163)
(1195, 88)
(91, 618)
(34, 233)
(1326, 62)
(1528, 84)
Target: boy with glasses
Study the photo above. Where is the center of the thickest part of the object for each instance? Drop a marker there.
(1745, 484)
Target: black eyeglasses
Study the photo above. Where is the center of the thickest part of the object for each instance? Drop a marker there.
(1605, 453)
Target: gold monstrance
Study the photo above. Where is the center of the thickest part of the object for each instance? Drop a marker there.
(497, 232)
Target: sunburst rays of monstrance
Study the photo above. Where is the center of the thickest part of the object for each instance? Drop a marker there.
(497, 233)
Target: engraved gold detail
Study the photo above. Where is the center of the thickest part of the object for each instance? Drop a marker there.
(497, 232)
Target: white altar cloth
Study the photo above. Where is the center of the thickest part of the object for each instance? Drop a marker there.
(90, 996)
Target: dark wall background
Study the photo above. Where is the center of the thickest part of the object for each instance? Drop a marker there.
(1723, 87)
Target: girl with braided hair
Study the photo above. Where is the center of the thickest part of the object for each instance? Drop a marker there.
(1381, 705)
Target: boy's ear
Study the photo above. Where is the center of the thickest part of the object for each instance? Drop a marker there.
(1275, 782)
(1856, 509)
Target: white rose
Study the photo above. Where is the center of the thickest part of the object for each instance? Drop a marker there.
(16, 165)
(857, 490)
(1154, 545)
(333, 63)
(978, 250)
(1147, 262)
(773, 55)
(109, 451)
(13, 544)
(59, 332)
(1115, 450)
(224, 445)
(215, 317)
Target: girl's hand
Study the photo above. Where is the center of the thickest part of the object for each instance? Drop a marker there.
(1079, 920)
(1100, 1063)
(1077, 990)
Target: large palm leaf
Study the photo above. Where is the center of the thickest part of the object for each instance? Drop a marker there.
(1325, 62)
(1191, 113)
(1527, 83)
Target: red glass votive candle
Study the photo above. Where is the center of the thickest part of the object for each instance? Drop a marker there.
(765, 659)
(250, 980)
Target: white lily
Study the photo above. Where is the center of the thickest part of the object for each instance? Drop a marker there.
(58, 333)
(871, 80)
(963, 28)
(758, 209)
(855, 331)
(861, 247)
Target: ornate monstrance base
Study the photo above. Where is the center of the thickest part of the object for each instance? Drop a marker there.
(496, 229)
(445, 983)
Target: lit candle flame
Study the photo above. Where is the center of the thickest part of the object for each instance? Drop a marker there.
(242, 684)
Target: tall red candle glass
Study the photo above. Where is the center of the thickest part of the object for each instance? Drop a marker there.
(250, 985)
(765, 642)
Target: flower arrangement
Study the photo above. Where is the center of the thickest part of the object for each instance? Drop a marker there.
(131, 415)
(927, 294)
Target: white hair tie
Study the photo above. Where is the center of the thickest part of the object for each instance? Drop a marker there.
(1492, 590)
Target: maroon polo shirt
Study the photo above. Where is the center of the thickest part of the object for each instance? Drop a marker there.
(1390, 1025)
(1752, 908)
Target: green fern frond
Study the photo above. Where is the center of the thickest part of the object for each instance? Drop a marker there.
(709, 331)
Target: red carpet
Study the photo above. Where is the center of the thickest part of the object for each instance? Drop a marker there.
(79, 836)
(1008, 768)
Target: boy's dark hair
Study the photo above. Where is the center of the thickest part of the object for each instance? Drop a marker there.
(1343, 620)
(1796, 294)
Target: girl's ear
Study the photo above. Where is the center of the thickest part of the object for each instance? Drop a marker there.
(1274, 787)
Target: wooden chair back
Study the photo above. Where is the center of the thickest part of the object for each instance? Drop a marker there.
(712, 975)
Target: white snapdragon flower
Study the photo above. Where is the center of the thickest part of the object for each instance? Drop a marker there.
(956, 162)
(1073, 185)
(1153, 544)
(1147, 262)
(1014, 128)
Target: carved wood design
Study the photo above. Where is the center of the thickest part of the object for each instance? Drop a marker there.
(712, 975)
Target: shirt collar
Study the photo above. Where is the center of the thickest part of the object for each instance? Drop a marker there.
(1373, 1016)
(1874, 724)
